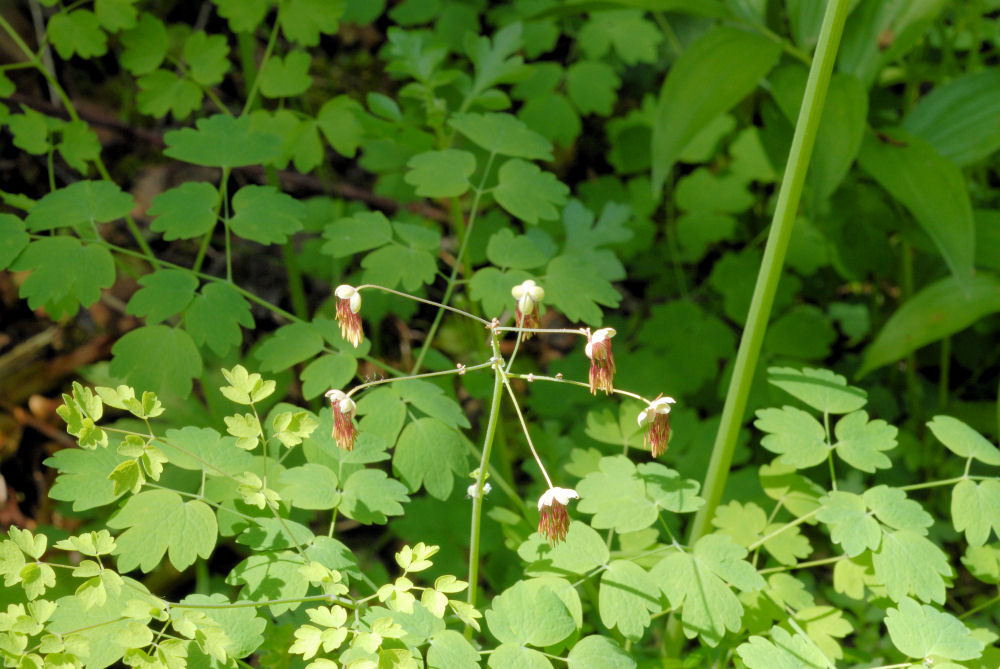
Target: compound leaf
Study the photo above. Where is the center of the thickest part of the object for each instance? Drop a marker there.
(82, 202)
(846, 514)
(394, 265)
(65, 274)
(77, 32)
(207, 57)
(429, 453)
(157, 358)
(164, 293)
(794, 434)
(975, 509)
(215, 315)
(860, 442)
(158, 522)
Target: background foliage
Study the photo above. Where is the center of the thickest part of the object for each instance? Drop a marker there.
(183, 185)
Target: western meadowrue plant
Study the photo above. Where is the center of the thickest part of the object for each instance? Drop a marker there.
(358, 255)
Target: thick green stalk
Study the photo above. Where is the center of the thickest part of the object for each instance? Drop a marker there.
(771, 266)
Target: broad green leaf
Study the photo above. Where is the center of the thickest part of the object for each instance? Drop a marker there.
(246, 428)
(441, 173)
(207, 57)
(222, 141)
(286, 77)
(78, 145)
(337, 118)
(921, 631)
(145, 45)
(369, 496)
(273, 534)
(158, 522)
(266, 215)
(963, 441)
(983, 562)
(31, 130)
(908, 563)
(363, 231)
(325, 372)
(243, 627)
(13, 239)
(418, 236)
(860, 442)
(164, 293)
(302, 21)
(433, 401)
(518, 252)
(575, 284)
(668, 490)
(743, 522)
(819, 388)
(83, 476)
(784, 651)
(382, 412)
(975, 509)
(941, 309)
(163, 92)
(243, 15)
(65, 274)
(492, 288)
(127, 477)
(302, 145)
(553, 117)
(846, 515)
(932, 188)
(503, 134)
(592, 86)
(804, 332)
(77, 32)
(215, 315)
(493, 59)
(268, 576)
(893, 508)
(795, 492)
(448, 649)
(627, 596)
(393, 266)
(634, 38)
(516, 656)
(310, 486)
(115, 15)
(960, 118)
(175, 360)
(825, 625)
(527, 192)
(529, 613)
(735, 60)
(598, 651)
(204, 449)
(185, 211)
(794, 434)
(290, 345)
(616, 495)
(841, 127)
(582, 550)
(82, 202)
(429, 453)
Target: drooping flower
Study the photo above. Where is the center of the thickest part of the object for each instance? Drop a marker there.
(348, 306)
(554, 520)
(655, 420)
(528, 295)
(344, 409)
(602, 360)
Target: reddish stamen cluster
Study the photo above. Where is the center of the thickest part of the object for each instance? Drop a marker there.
(348, 306)
(344, 432)
(656, 420)
(602, 360)
(553, 521)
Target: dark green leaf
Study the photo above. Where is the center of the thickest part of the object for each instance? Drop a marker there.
(162, 92)
(215, 315)
(185, 211)
(207, 57)
(441, 173)
(82, 202)
(164, 293)
(429, 453)
(64, 274)
(503, 134)
(157, 358)
(77, 32)
(362, 231)
(286, 77)
(290, 345)
(222, 141)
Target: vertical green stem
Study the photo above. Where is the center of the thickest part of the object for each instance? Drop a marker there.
(477, 499)
(771, 266)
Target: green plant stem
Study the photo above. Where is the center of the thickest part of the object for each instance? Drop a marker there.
(439, 305)
(477, 499)
(447, 372)
(786, 526)
(802, 565)
(252, 94)
(748, 354)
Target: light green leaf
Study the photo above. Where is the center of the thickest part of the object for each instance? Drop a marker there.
(290, 345)
(164, 293)
(503, 134)
(393, 266)
(433, 401)
(743, 522)
(369, 496)
(204, 448)
(846, 515)
(215, 315)
(821, 389)
(617, 496)
(732, 58)
(222, 141)
(286, 77)
(975, 509)
(82, 202)
(794, 434)
(207, 57)
(921, 631)
(127, 477)
(908, 563)
(325, 372)
(932, 188)
(825, 625)
(83, 476)
(576, 285)
(516, 656)
(177, 360)
(269, 576)
(441, 173)
(158, 522)
(582, 550)
(963, 441)
(527, 192)
(493, 59)
(785, 651)
(892, 507)
(860, 442)
(592, 86)
(246, 428)
(242, 626)
(310, 486)
(518, 252)
(162, 92)
(266, 215)
(185, 211)
(960, 118)
(65, 274)
(77, 32)
(598, 651)
(449, 650)
(529, 613)
(429, 453)
(627, 596)
(492, 288)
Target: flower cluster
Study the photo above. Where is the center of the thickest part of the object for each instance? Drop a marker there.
(553, 524)
(528, 295)
(344, 409)
(655, 420)
(602, 360)
(348, 306)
